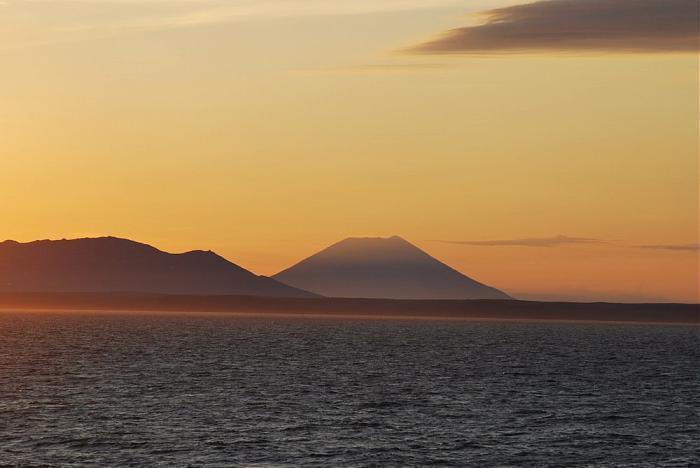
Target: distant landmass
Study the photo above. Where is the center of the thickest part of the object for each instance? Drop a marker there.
(389, 268)
(326, 307)
(110, 264)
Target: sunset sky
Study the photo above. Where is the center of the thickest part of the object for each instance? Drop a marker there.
(549, 149)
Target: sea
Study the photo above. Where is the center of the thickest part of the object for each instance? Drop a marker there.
(150, 389)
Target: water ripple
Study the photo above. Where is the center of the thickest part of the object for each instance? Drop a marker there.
(113, 390)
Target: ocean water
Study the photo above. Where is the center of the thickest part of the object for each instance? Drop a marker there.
(207, 390)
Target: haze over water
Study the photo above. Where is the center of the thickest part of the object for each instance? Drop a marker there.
(120, 390)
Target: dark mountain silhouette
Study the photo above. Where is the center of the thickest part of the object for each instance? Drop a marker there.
(109, 264)
(390, 268)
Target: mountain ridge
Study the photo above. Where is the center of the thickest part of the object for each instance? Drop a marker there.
(103, 264)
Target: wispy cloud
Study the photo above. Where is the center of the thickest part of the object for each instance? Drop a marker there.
(377, 68)
(562, 241)
(85, 15)
(27, 23)
(576, 25)
(677, 247)
(555, 241)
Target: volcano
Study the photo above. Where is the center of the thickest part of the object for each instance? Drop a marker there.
(390, 268)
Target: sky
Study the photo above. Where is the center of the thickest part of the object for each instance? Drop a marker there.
(547, 148)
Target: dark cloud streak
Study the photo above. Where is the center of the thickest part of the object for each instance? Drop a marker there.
(555, 241)
(676, 247)
(577, 25)
(561, 241)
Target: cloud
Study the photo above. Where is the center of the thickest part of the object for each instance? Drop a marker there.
(576, 25)
(377, 69)
(676, 247)
(560, 241)
(33, 23)
(167, 14)
(556, 241)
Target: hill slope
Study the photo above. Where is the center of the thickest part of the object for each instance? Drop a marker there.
(109, 264)
(389, 268)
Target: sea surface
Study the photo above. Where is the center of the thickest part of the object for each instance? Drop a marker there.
(216, 390)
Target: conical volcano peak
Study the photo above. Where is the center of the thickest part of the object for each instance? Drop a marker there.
(372, 250)
(374, 240)
(379, 267)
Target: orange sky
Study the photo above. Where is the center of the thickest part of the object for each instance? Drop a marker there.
(267, 130)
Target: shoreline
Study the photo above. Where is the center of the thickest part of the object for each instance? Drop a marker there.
(330, 316)
(359, 309)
